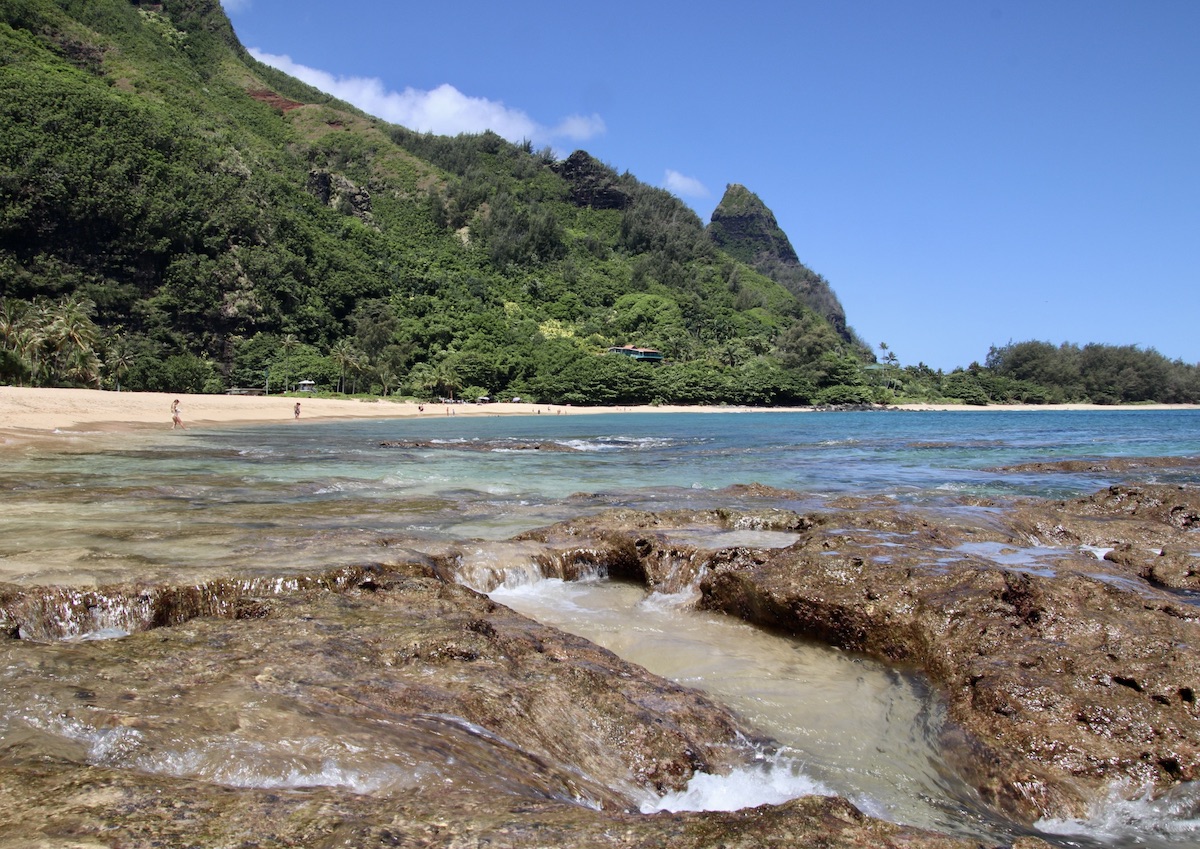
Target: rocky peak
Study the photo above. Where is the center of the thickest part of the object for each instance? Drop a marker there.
(592, 183)
(746, 229)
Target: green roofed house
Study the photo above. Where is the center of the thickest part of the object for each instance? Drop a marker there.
(644, 355)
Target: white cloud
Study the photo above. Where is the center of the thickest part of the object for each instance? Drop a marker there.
(445, 110)
(684, 186)
(579, 127)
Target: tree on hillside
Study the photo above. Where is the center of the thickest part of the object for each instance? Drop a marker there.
(288, 344)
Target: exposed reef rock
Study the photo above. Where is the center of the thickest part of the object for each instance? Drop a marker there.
(434, 717)
(134, 810)
(1066, 668)
(477, 445)
(1146, 527)
(1104, 464)
(1065, 674)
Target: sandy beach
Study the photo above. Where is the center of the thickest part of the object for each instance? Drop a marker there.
(27, 413)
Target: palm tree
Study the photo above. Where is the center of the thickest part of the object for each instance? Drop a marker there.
(11, 311)
(289, 343)
(12, 333)
(72, 319)
(447, 378)
(359, 364)
(82, 366)
(33, 343)
(118, 360)
(72, 339)
(423, 380)
(890, 361)
(343, 355)
(387, 379)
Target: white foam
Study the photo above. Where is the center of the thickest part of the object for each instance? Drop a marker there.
(533, 588)
(1173, 818)
(769, 783)
(587, 445)
(107, 633)
(682, 600)
(251, 769)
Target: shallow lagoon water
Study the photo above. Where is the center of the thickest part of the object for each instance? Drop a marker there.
(186, 506)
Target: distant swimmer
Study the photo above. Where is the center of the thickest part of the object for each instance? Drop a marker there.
(176, 416)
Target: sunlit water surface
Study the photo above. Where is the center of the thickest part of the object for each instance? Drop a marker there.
(267, 500)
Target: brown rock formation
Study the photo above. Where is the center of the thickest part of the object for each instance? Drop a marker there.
(592, 183)
(1065, 675)
(458, 721)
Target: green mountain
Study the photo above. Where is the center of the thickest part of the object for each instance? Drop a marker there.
(746, 229)
(174, 215)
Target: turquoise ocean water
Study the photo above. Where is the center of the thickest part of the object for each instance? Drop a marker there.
(313, 493)
(272, 499)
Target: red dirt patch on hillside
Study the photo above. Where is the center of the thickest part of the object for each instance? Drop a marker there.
(278, 101)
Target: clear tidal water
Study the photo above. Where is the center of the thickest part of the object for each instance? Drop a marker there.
(298, 496)
(186, 506)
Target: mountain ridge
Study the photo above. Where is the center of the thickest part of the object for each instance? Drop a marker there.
(745, 228)
(201, 208)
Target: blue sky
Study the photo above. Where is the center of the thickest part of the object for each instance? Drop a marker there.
(963, 173)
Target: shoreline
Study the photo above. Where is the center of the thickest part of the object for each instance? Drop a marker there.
(37, 413)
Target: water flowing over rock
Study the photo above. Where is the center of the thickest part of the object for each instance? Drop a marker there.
(374, 706)
(1067, 670)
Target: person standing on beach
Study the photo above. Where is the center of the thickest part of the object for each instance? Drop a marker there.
(296, 411)
(176, 420)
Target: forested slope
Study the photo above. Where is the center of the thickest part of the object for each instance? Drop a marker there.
(176, 216)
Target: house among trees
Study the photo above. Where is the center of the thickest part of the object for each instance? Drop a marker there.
(645, 355)
(306, 386)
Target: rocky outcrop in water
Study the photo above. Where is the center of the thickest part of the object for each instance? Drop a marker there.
(1104, 464)
(370, 707)
(1067, 666)
(476, 445)
(1066, 675)
(1149, 530)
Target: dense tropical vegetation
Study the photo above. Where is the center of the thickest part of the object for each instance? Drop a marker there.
(177, 216)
